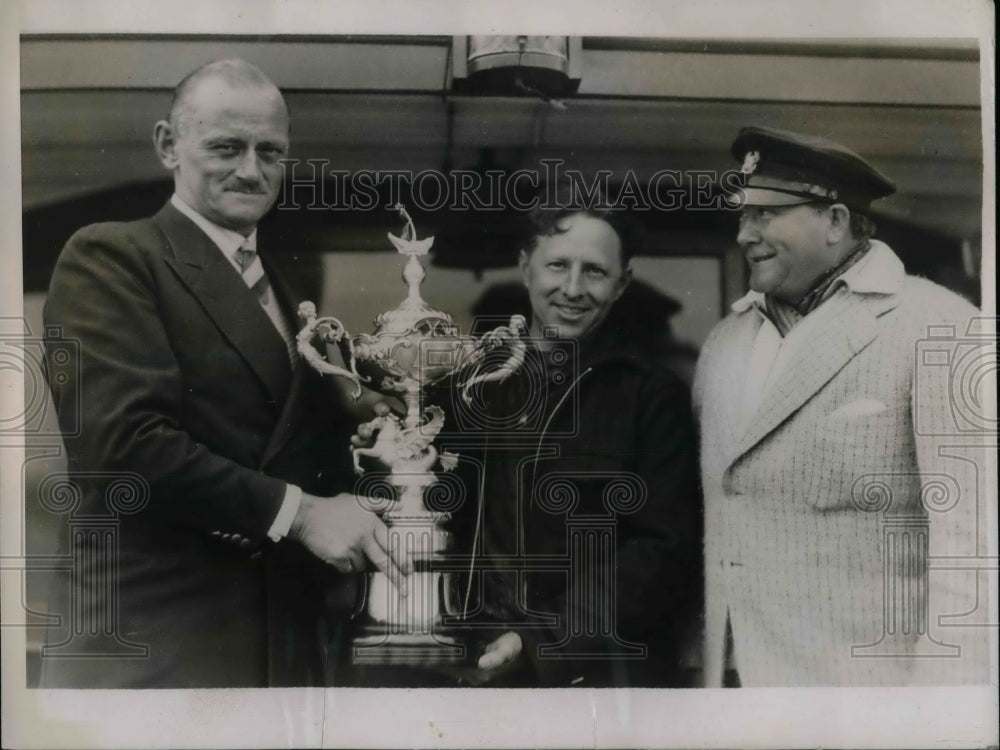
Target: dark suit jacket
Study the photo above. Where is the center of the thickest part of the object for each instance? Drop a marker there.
(185, 387)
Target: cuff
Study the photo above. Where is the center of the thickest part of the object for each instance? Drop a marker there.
(286, 514)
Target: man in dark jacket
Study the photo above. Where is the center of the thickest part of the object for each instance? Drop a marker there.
(197, 442)
(585, 525)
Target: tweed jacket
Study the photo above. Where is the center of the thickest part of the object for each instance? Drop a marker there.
(185, 387)
(832, 514)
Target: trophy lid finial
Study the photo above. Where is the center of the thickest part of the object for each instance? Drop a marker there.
(413, 309)
(408, 244)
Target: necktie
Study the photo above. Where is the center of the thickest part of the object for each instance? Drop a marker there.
(252, 271)
(245, 257)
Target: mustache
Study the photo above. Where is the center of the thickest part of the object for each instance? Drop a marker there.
(253, 188)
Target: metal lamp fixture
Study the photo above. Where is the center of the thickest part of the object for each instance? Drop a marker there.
(544, 66)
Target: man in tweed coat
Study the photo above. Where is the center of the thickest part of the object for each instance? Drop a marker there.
(842, 523)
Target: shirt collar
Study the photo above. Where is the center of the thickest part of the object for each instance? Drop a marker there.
(748, 300)
(226, 240)
(879, 272)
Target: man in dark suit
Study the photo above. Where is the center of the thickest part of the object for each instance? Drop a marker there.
(242, 534)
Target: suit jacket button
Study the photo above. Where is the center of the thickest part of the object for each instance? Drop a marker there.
(216, 533)
(256, 555)
(236, 538)
(246, 543)
(225, 537)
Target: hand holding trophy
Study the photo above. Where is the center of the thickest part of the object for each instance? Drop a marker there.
(412, 347)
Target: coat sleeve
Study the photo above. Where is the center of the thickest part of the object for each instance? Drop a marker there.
(126, 385)
(659, 560)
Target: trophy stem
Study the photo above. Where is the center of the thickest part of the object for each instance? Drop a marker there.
(411, 397)
(410, 486)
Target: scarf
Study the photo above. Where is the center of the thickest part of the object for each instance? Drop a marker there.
(786, 315)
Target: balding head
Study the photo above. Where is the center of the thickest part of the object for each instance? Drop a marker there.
(232, 72)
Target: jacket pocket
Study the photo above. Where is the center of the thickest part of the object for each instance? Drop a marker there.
(859, 440)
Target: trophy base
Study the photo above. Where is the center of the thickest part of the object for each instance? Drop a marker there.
(375, 645)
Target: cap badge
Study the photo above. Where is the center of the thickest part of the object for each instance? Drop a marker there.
(750, 162)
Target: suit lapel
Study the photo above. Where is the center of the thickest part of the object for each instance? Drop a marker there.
(822, 349)
(233, 307)
(733, 369)
(288, 299)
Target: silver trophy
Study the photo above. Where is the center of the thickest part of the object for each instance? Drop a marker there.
(412, 347)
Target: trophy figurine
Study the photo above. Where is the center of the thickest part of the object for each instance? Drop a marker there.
(411, 348)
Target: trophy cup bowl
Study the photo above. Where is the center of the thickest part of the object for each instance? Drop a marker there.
(412, 347)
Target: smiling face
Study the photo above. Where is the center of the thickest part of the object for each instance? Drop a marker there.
(224, 149)
(787, 247)
(574, 276)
